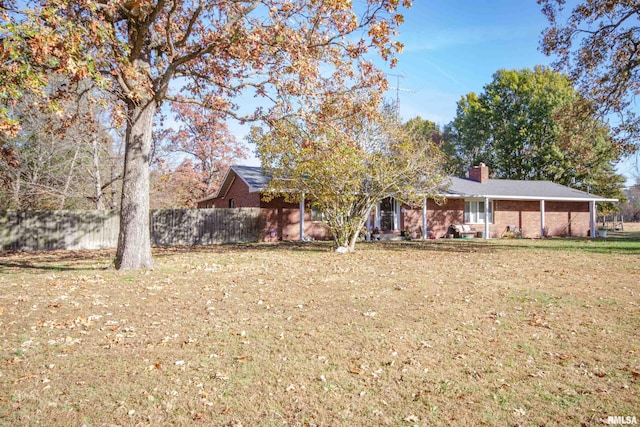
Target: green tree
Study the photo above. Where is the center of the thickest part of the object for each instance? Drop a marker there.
(346, 157)
(598, 43)
(146, 52)
(442, 138)
(631, 206)
(469, 135)
(532, 124)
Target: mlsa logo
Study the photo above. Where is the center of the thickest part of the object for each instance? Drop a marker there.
(621, 420)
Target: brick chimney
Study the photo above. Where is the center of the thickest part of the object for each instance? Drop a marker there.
(479, 173)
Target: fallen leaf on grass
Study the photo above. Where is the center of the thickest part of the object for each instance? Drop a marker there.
(560, 356)
(411, 419)
(14, 361)
(538, 374)
(538, 321)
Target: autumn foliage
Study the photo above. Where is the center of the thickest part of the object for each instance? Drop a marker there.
(597, 43)
(144, 53)
(347, 156)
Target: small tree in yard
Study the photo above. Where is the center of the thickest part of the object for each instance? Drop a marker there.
(345, 158)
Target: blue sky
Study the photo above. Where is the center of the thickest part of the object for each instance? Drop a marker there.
(454, 47)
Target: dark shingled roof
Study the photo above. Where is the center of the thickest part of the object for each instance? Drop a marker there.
(507, 189)
(253, 176)
(496, 189)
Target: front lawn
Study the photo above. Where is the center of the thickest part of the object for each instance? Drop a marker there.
(504, 332)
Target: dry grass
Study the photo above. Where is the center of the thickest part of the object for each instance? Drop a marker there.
(439, 333)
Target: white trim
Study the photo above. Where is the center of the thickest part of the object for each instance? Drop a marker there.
(542, 225)
(529, 198)
(446, 195)
(592, 219)
(487, 211)
(376, 217)
(396, 214)
(488, 203)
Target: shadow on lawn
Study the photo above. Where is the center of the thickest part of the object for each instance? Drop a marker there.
(622, 243)
(58, 260)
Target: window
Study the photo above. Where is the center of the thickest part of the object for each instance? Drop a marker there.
(316, 215)
(474, 211)
(231, 204)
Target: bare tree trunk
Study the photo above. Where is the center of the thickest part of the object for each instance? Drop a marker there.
(134, 243)
(16, 191)
(97, 181)
(113, 197)
(67, 184)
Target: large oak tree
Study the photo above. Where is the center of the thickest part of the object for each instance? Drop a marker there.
(146, 52)
(598, 43)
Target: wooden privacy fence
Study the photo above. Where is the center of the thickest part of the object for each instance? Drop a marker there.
(50, 230)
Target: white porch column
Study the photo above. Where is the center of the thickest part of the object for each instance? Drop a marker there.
(592, 218)
(302, 218)
(487, 234)
(424, 219)
(541, 218)
(376, 217)
(396, 216)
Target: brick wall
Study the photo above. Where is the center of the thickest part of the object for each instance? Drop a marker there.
(239, 193)
(561, 218)
(439, 217)
(281, 220)
(284, 218)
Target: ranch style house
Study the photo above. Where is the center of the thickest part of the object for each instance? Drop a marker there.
(475, 206)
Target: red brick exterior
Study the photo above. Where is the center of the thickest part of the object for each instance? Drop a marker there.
(439, 217)
(238, 192)
(479, 173)
(561, 218)
(282, 219)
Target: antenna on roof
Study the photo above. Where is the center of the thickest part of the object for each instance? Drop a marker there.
(398, 89)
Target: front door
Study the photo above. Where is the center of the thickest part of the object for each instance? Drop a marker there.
(388, 214)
